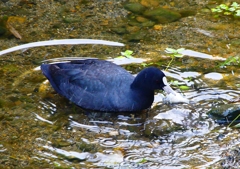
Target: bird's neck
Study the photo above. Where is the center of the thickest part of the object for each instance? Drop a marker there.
(139, 83)
(141, 93)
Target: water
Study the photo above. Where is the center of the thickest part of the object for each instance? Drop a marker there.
(39, 128)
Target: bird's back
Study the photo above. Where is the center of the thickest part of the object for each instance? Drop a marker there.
(91, 84)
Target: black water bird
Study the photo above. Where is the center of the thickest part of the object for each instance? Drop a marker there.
(104, 86)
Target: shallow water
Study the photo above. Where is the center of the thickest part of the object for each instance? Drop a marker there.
(40, 129)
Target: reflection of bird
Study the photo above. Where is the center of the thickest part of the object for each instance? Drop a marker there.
(104, 86)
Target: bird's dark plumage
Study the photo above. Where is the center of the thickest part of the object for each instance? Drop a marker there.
(104, 86)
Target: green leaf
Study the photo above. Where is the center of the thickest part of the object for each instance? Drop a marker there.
(237, 12)
(214, 10)
(127, 54)
(184, 87)
(218, 9)
(143, 161)
(180, 50)
(223, 6)
(170, 50)
(175, 52)
(227, 13)
(235, 5)
(232, 9)
(178, 55)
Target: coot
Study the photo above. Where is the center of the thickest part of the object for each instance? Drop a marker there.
(104, 86)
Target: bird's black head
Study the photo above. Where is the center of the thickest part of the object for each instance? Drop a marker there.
(150, 78)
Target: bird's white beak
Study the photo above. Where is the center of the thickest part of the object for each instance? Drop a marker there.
(167, 87)
(173, 96)
(169, 90)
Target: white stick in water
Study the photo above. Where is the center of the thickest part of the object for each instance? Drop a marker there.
(62, 42)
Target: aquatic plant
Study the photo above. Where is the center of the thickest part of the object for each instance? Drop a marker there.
(174, 53)
(228, 10)
(232, 60)
(127, 54)
(144, 160)
(147, 64)
(234, 120)
(179, 85)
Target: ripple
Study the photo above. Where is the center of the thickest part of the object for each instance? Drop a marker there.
(213, 94)
(108, 142)
(84, 126)
(68, 154)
